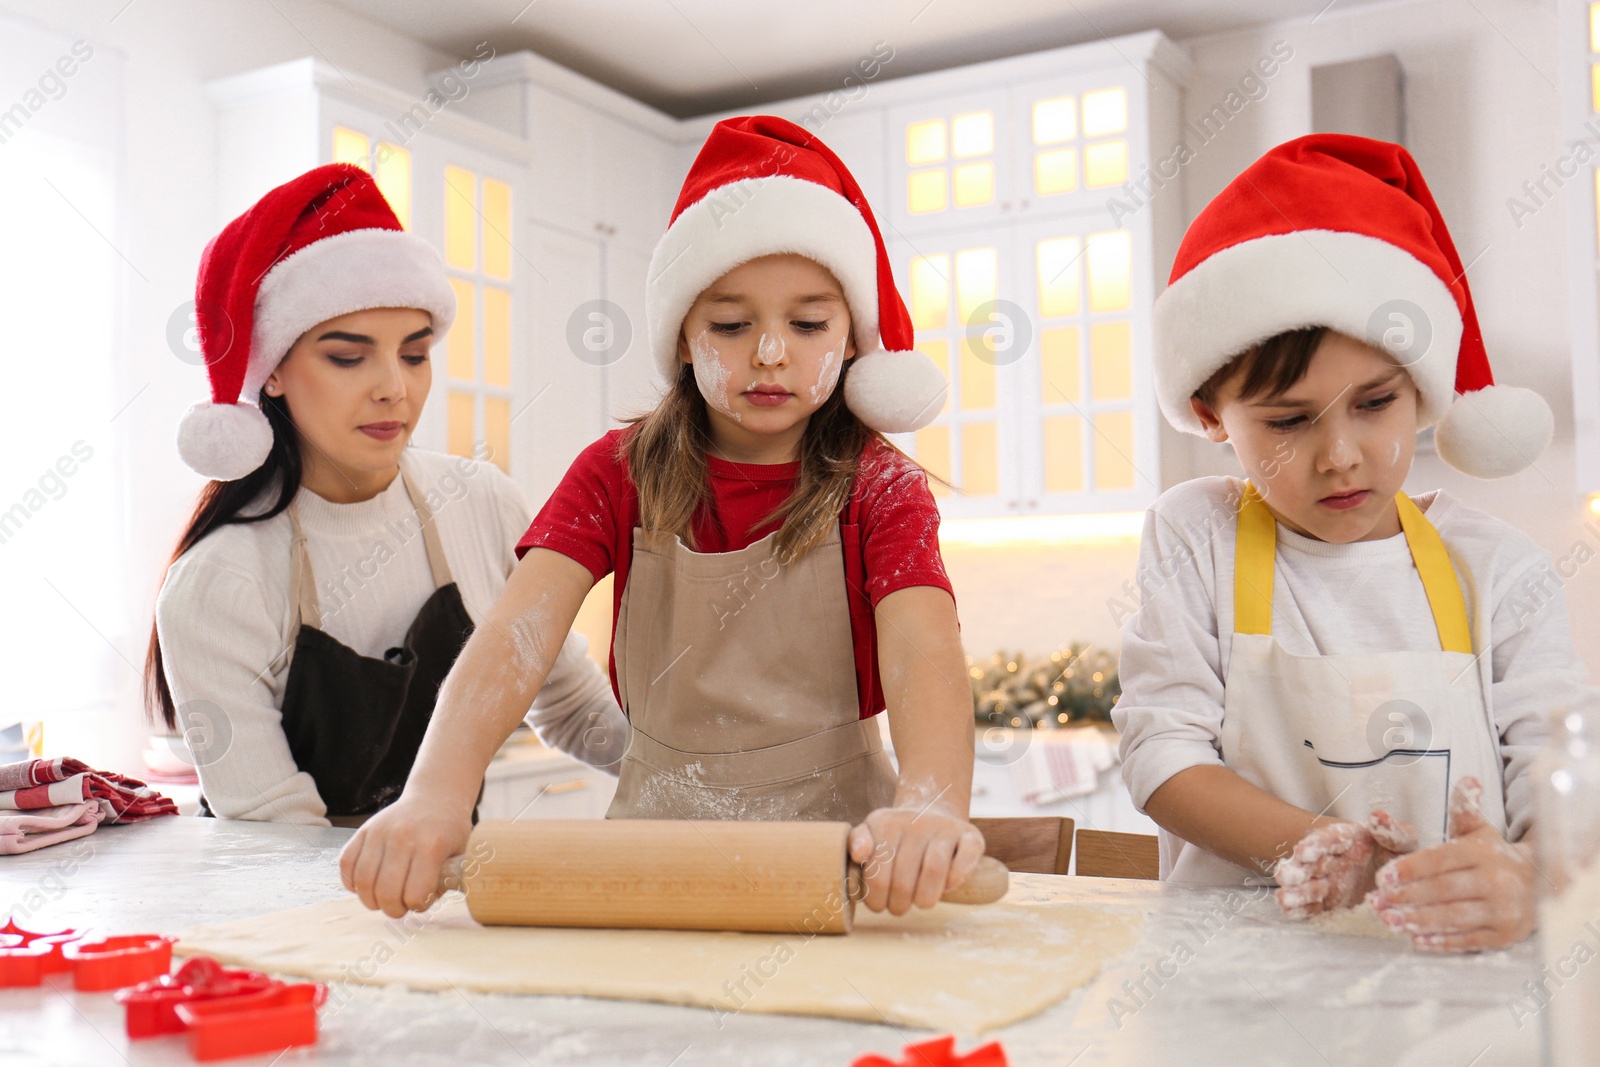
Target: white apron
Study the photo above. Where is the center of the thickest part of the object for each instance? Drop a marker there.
(1342, 735)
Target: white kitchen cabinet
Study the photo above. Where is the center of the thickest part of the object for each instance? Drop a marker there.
(1577, 173)
(604, 175)
(529, 781)
(456, 182)
(1031, 207)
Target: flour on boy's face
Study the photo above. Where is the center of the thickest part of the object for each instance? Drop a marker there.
(1330, 452)
(768, 341)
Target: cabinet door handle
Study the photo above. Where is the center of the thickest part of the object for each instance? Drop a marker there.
(566, 787)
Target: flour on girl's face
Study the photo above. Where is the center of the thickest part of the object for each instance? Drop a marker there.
(771, 351)
(827, 377)
(711, 375)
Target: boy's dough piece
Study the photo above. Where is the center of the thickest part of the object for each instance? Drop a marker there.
(966, 969)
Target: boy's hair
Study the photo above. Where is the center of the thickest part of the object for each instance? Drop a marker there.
(1270, 368)
(665, 453)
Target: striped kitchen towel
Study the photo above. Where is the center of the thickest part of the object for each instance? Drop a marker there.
(49, 783)
(24, 831)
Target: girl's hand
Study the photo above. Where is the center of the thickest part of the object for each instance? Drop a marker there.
(393, 861)
(912, 856)
(1336, 864)
(1474, 891)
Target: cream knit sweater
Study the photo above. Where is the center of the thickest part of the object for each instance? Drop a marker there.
(226, 624)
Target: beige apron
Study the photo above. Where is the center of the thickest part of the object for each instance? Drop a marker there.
(1342, 735)
(738, 678)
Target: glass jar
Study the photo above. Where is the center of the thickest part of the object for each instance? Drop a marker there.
(1565, 990)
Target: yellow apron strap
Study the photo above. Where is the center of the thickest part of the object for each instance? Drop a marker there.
(1254, 559)
(1438, 577)
(1256, 553)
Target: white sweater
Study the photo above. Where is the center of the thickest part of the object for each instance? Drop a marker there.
(226, 622)
(1331, 600)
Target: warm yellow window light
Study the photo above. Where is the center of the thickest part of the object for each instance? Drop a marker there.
(497, 229)
(933, 452)
(1055, 120)
(1063, 454)
(497, 430)
(974, 184)
(1059, 366)
(393, 174)
(1056, 259)
(1594, 27)
(1110, 256)
(1113, 450)
(496, 336)
(977, 375)
(459, 423)
(930, 292)
(1594, 503)
(925, 192)
(1105, 163)
(461, 363)
(972, 134)
(1055, 171)
(977, 280)
(351, 146)
(460, 218)
(925, 142)
(1105, 111)
(1111, 360)
(980, 459)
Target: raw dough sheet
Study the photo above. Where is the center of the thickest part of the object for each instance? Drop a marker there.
(948, 968)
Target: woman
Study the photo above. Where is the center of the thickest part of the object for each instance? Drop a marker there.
(330, 575)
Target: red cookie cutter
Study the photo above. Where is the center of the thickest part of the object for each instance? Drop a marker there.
(26, 957)
(280, 1017)
(150, 1006)
(114, 962)
(940, 1052)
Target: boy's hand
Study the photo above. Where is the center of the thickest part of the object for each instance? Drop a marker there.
(1335, 864)
(912, 856)
(1474, 891)
(393, 861)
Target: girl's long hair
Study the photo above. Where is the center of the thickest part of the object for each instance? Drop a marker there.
(222, 503)
(666, 460)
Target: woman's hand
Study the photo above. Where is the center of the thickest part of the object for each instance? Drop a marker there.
(1336, 864)
(393, 861)
(1474, 891)
(912, 856)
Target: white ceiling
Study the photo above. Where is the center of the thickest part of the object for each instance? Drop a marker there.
(694, 57)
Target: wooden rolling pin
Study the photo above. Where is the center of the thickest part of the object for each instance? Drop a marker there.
(778, 877)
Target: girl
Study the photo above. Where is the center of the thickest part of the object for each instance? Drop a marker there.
(778, 579)
(1326, 672)
(305, 701)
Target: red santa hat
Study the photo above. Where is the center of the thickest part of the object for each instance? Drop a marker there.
(320, 246)
(763, 185)
(1341, 231)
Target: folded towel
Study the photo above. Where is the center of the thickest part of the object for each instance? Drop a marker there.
(48, 826)
(1057, 764)
(48, 783)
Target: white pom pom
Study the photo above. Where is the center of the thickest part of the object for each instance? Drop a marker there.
(895, 392)
(224, 441)
(1495, 431)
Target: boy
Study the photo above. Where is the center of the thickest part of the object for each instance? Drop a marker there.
(1336, 673)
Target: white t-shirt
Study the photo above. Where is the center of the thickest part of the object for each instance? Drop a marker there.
(227, 625)
(1333, 600)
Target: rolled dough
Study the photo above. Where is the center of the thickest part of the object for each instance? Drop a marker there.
(949, 968)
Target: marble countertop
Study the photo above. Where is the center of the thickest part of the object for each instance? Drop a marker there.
(1218, 977)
